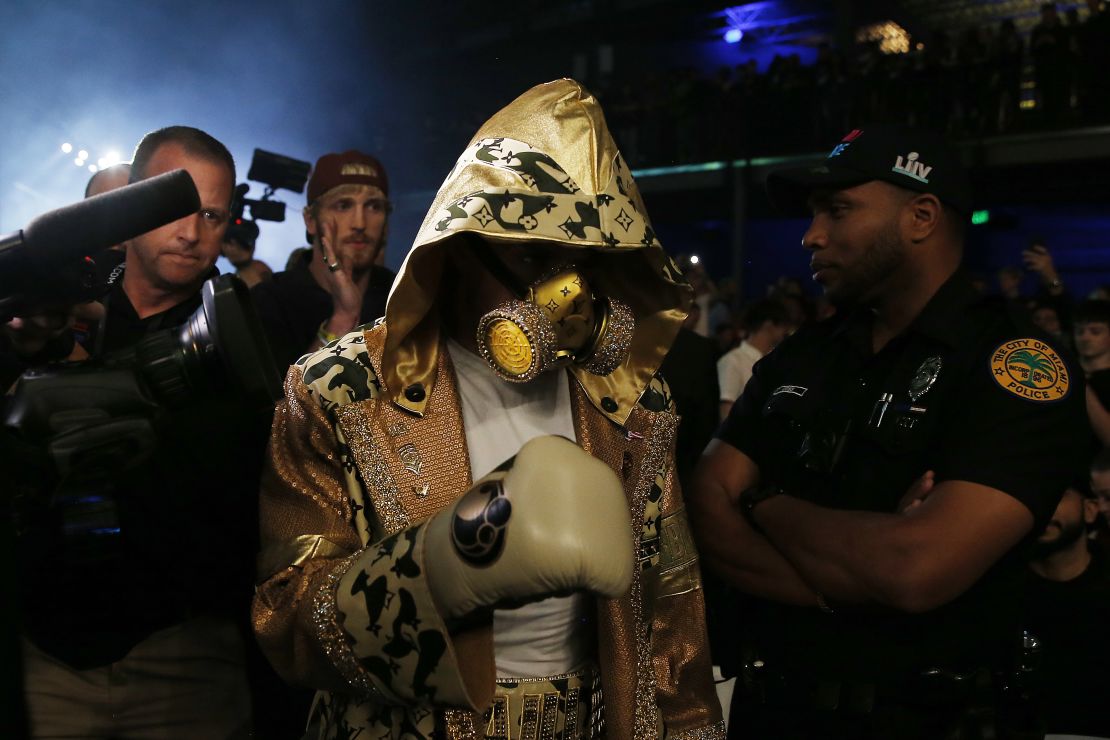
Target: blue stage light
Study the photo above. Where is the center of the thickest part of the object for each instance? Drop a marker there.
(733, 36)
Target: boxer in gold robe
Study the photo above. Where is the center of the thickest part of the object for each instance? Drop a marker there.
(471, 522)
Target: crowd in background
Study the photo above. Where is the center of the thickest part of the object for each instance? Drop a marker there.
(726, 322)
(965, 82)
(969, 82)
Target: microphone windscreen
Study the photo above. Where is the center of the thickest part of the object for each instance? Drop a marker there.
(99, 222)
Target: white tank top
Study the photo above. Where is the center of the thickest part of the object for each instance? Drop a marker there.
(555, 635)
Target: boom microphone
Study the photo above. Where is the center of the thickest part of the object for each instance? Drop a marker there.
(99, 222)
(40, 262)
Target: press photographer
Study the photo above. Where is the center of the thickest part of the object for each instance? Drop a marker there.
(136, 555)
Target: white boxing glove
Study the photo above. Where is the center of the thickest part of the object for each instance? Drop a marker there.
(550, 520)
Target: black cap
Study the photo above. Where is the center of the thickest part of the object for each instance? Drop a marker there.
(911, 159)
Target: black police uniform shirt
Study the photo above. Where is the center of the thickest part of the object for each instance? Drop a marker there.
(292, 305)
(1099, 381)
(966, 391)
(1069, 620)
(187, 521)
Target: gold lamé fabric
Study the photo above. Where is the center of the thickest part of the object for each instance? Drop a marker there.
(303, 497)
(660, 640)
(624, 639)
(425, 460)
(678, 571)
(545, 170)
(314, 492)
(342, 472)
(678, 624)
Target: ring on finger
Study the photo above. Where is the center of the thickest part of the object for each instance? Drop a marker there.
(333, 266)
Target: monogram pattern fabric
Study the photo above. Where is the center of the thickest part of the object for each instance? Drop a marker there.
(549, 203)
(389, 642)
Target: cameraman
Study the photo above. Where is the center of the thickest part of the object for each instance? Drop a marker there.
(107, 179)
(238, 247)
(139, 636)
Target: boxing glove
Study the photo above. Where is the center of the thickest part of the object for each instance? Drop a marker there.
(550, 520)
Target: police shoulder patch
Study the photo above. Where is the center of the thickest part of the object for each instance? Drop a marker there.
(1030, 369)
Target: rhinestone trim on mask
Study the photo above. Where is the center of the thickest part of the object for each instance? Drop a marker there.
(536, 329)
(615, 341)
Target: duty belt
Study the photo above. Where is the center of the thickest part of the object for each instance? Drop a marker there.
(564, 707)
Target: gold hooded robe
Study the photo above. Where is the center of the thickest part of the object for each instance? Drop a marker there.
(369, 443)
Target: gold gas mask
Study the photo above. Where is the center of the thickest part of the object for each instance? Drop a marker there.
(557, 321)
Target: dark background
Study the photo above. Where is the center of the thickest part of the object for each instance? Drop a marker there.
(410, 82)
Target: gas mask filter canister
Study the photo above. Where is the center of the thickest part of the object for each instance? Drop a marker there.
(558, 322)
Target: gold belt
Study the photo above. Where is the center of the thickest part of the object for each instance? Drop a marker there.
(565, 707)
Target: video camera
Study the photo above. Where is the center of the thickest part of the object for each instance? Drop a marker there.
(93, 419)
(276, 172)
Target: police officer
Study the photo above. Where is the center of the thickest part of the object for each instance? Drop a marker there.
(871, 490)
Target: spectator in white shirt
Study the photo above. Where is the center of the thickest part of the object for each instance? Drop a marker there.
(765, 323)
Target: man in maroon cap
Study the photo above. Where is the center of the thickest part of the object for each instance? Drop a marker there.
(335, 285)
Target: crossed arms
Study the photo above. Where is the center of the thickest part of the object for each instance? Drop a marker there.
(939, 543)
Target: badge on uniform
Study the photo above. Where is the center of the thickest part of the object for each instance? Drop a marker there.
(1030, 369)
(924, 378)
